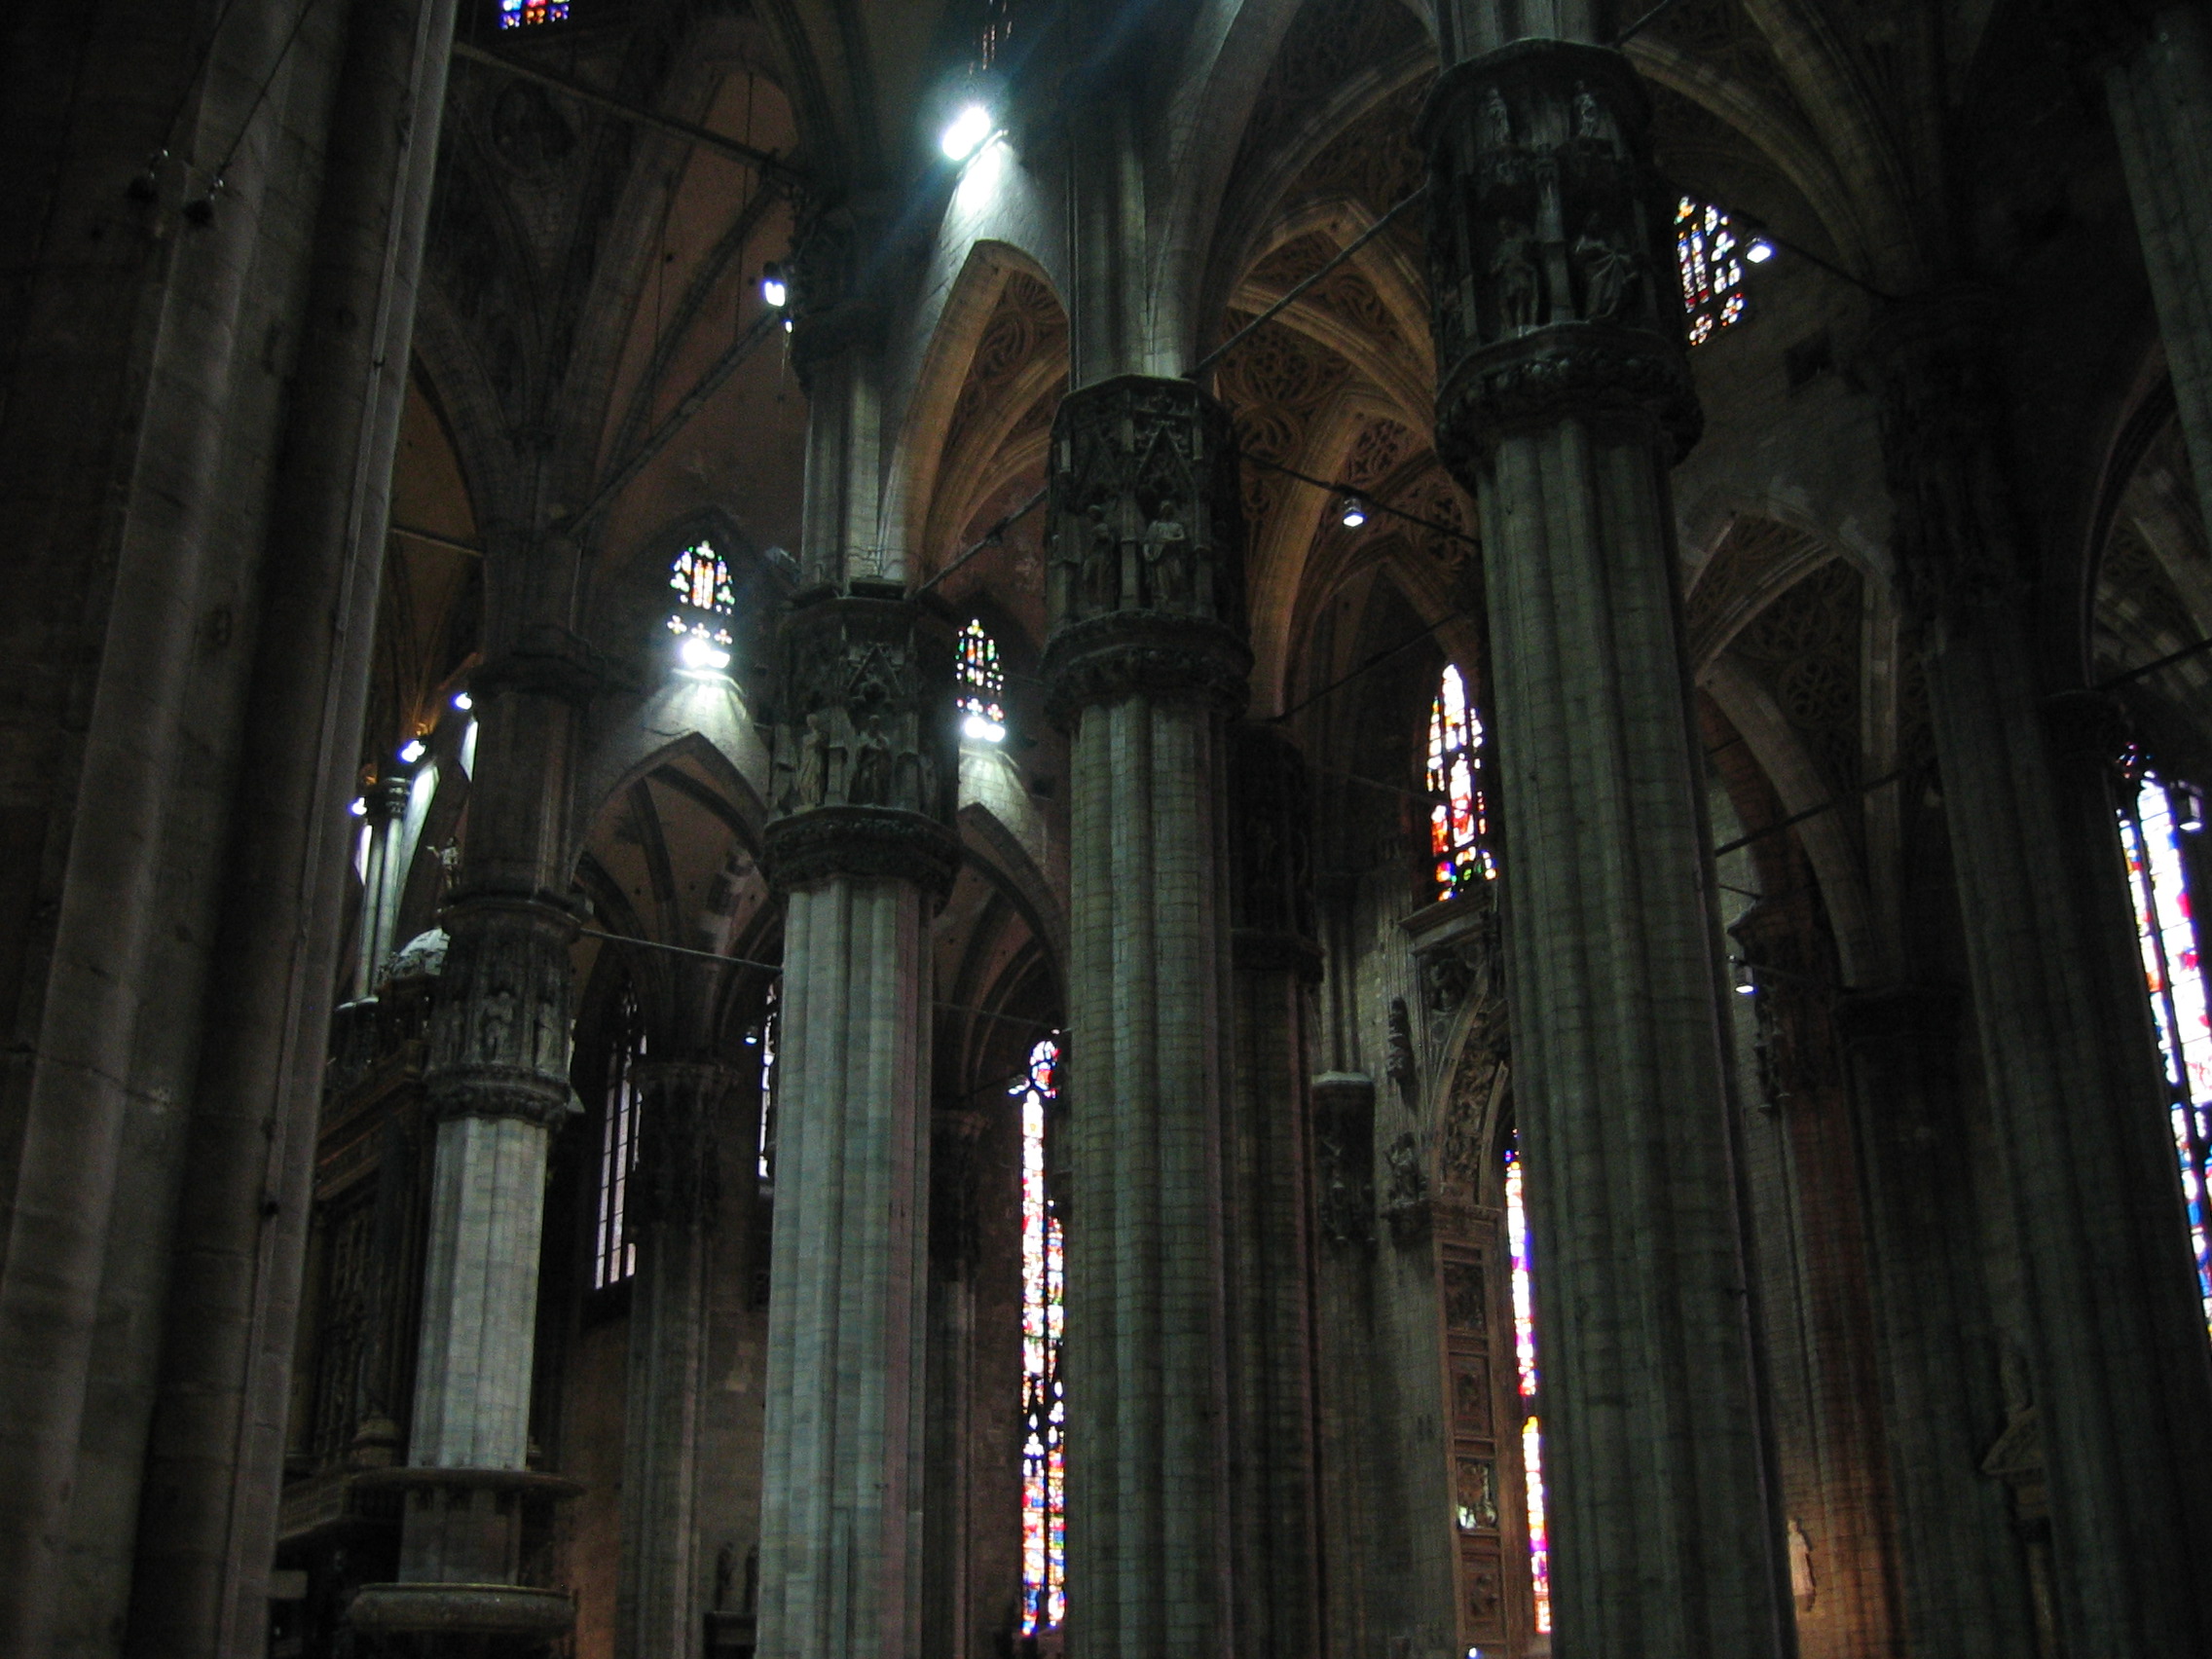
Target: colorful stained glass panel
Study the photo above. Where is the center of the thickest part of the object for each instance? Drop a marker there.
(1043, 1288)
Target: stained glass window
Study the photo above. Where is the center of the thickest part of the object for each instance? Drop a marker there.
(1524, 1365)
(614, 1254)
(982, 686)
(2152, 832)
(1458, 815)
(705, 599)
(761, 1040)
(1711, 259)
(1044, 1280)
(513, 13)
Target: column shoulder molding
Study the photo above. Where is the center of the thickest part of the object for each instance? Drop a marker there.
(500, 1034)
(863, 842)
(1158, 653)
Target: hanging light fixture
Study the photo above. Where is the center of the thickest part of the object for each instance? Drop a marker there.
(1354, 513)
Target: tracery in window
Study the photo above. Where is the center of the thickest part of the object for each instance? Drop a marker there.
(1458, 815)
(981, 694)
(614, 1254)
(1043, 1281)
(514, 14)
(1711, 259)
(2152, 830)
(1524, 1365)
(706, 600)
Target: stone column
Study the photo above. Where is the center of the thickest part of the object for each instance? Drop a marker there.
(1145, 662)
(1963, 1588)
(858, 847)
(381, 876)
(1277, 963)
(2160, 95)
(496, 1083)
(1563, 400)
(2114, 1340)
(676, 1202)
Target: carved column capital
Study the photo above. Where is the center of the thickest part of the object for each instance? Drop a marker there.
(499, 1033)
(679, 1152)
(867, 761)
(1552, 267)
(1146, 590)
(1954, 538)
(835, 278)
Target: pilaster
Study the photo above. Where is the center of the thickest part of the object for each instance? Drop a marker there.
(1145, 662)
(2079, 1108)
(1563, 399)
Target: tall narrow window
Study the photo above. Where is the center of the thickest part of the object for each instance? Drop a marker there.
(703, 605)
(614, 1255)
(1525, 1364)
(761, 1040)
(2152, 832)
(982, 686)
(514, 14)
(1713, 269)
(1458, 815)
(1044, 1469)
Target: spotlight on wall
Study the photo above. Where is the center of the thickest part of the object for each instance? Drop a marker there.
(412, 749)
(1354, 512)
(967, 133)
(462, 701)
(773, 288)
(698, 653)
(1759, 251)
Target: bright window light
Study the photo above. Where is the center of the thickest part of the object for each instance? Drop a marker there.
(701, 653)
(412, 749)
(967, 131)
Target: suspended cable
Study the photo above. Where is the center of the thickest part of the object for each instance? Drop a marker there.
(990, 538)
(202, 211)
(1366, 500)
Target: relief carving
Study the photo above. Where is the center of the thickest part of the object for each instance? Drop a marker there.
(1344, 1156)
(499, 1032)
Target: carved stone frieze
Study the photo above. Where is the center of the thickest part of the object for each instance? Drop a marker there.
(865, 761)
(499, 1033)
(1552, 272)
(1146, 587)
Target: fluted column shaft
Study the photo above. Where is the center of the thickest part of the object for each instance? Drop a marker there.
(1268, 1289)
(2116, 1345)
(1964, 1589)
(676, 1202)
(864, 765)
(1144, 663)
(1563, 401)
(2161, 95)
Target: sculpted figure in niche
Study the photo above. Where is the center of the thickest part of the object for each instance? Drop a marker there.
(1166, 557)
(1101, 563)
(812, 778)
(1515, 275)
(1606, 272)
(1589, 117)
(495, 1028)
(871, 765)
(1497, 121)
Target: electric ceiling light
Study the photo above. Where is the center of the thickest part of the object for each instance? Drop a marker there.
(1354, 513)
(1759, 252)
(359, 808)
(412, 749)
(773, 288)
(462, 701)
(965, 133)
